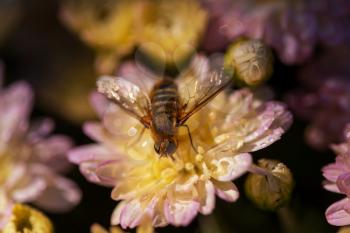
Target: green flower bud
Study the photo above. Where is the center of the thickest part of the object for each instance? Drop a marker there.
(270, 185)
(251, 62)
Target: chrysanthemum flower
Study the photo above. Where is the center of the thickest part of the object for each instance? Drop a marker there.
(30, 159)
(108, 26)
(287, 26)
(25, 219)
(172, 30)
(174, 191)
(338, 177)
(324, 99)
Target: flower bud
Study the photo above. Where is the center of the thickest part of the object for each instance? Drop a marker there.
(270, 185)
(344, 230)
(251, 61)
(28, 220)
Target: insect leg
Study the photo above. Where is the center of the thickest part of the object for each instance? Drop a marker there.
(189, 134)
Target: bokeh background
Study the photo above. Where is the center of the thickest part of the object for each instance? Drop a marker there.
(38, 48)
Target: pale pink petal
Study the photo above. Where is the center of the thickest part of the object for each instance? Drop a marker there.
(15, 106)
(131, 215)
(52, 152)
(208, 204)
(30, 191)
(115, 218)
(18, 172)
(343, 183)
(95, 131)
(60, 195)
(282, 121)
(5, 208)
(265, 118)
(331, 186)
(230, 167)
(39, 129)
(97, 163)
(264, 141)
(180, 213)
(25, 184)
(103, 173)
(332, 171)
(273, 116)
(338, 213)
(119, 124)
(100, 103)
(226, 191)
(347, 132)
(91, 152)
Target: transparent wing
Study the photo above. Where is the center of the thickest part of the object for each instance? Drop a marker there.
(198, 85)
(127, 96)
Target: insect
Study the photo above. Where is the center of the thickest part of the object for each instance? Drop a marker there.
(169, 104)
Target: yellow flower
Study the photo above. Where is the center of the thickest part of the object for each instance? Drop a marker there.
(174, 191)
(172, 30)
(25, 219)
(106, 25)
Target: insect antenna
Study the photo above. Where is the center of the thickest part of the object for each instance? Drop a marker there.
(189, 135)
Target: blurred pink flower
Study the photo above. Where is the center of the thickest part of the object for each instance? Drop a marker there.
(292, 28)
(337, 180)
(325, 98)
(30, 159)
(175, 191)
(333, 20)
(288, 28)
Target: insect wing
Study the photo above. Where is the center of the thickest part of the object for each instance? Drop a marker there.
(199, 86)
(126, 95)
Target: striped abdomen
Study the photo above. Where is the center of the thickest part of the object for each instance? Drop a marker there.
(165, 103)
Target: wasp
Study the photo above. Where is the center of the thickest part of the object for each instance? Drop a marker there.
(169, 104)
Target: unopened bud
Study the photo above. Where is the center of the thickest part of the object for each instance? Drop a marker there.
(270, 187)
(344, 230)
(28, 220)
(251, 61)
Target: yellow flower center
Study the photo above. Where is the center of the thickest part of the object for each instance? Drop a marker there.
(27, 220)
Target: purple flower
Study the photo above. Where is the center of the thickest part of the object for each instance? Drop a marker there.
(338, 180)
(289, 29)
(31, 160)
(325, 98)
(292, 28)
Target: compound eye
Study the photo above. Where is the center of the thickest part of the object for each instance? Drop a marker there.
(170, 147)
